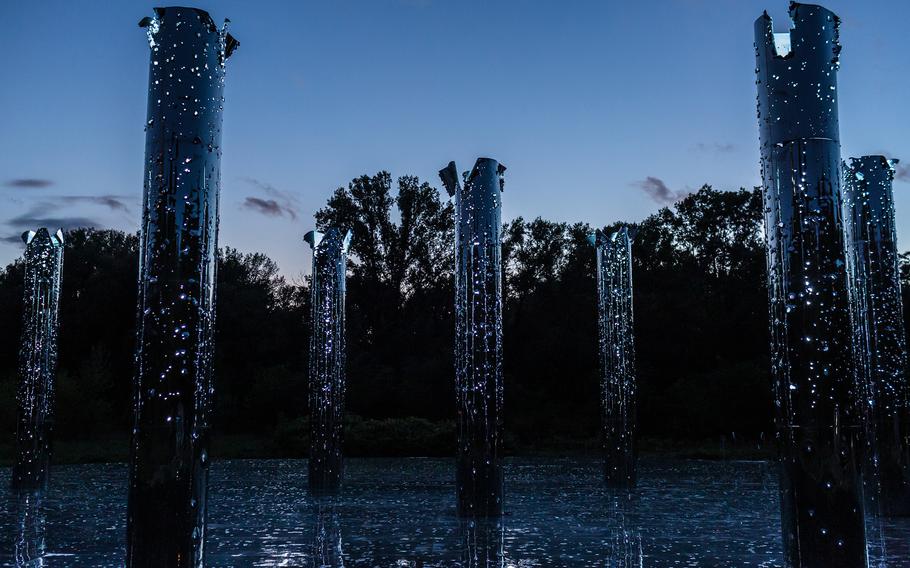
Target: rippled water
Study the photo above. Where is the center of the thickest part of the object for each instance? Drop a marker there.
(401, 512)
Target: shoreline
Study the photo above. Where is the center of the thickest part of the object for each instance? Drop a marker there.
(115, 449)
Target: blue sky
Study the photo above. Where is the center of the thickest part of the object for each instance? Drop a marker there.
(600, 109)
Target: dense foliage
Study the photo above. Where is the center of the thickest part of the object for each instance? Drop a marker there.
(700, 315)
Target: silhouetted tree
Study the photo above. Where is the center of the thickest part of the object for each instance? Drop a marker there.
(700, 316)
(260, 344)
(400, 325)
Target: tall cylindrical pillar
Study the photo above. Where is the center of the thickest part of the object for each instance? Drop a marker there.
(879, 339)
(327, 357)
(176, 312)
(818, 422)
(37, 358)
(478, 335)
(616, 341)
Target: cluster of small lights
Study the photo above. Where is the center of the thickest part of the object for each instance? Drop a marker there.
(818, 419)
(174, 358)
(38, 357)
(616, 341)
(478, 335)
(327, 357)
(838, 345)
(879, 339)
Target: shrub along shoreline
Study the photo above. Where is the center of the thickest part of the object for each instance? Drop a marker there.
(393, 437)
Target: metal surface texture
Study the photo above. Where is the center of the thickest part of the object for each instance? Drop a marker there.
(478, 336)
(879, 339)
(37, 358)
(818, 422)
(173, 385)
(327, 357)
(616, 342)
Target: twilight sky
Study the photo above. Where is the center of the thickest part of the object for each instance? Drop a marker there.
(602, 110)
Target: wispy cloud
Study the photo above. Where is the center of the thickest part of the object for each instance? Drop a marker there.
(268, 207)
(277, 203)
(37, 218)
(657, 190)
(12, 239)
(716, 147)
(112, 202)
(30, 183)
(55, 212)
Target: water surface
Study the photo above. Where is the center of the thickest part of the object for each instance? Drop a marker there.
(401, 513)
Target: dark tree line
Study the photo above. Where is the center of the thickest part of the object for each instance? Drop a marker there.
(700, 318)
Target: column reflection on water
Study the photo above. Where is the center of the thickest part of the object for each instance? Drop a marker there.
(31, 526)
(37, 358)
(482, 543)
(625, 548)
(326, 549)
(176, 310)
(327, 357)
(478, 335)
(616, 341)
(880, 342)
(818, 422)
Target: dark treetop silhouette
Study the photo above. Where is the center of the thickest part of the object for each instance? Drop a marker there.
(700, 330)
(837, 360)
